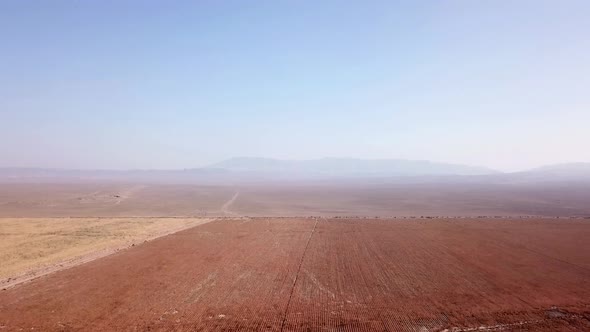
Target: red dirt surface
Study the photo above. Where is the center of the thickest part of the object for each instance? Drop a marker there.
(325, 274)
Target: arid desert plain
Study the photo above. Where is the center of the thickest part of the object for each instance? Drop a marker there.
(432, 257)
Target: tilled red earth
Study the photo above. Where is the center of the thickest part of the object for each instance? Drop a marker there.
(325, 274)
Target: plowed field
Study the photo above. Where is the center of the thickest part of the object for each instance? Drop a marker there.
(312, 274)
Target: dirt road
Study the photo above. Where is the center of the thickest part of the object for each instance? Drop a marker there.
(225, 207)
(325, 274)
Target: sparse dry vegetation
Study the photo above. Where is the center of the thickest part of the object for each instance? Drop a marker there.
(30, 247)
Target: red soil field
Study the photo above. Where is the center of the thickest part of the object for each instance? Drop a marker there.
(311, 274)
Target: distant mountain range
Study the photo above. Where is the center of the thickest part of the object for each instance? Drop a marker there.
(337, 167)
(557, 172)
(262, 169)
(564, 169)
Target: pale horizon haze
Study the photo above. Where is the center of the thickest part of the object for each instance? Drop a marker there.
(184, 84)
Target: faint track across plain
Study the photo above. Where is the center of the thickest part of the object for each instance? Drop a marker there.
(225, 207)
(297, 274)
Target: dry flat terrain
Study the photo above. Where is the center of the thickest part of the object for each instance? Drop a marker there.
(384, 200)
(111, 200)
(30, 247)
(311, 274)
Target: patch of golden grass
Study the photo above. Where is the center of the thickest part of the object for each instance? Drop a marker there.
(29, 244)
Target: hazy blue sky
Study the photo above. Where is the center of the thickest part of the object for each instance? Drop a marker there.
(168, 84)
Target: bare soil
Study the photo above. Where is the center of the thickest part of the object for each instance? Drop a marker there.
(45, 200)
(384, 200)
(310, 274)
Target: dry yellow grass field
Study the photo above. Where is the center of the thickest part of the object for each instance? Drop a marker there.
(31, 247)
